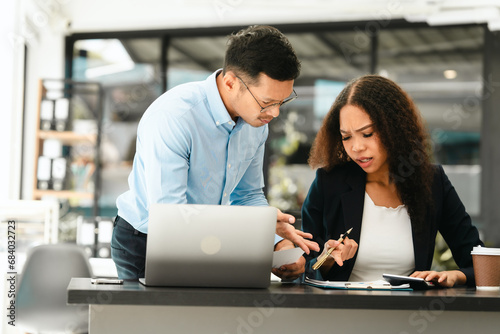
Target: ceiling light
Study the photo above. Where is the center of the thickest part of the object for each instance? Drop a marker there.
(465, 16)
(383, 73)
(96, 72)
(450, 74)
(494, 25)
(454, 4)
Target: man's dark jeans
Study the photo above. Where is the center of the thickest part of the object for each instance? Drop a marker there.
(128, 250)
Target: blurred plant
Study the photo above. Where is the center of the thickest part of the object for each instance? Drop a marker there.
(67, 228)
(289, 143)
(284, 192)
(443, 258)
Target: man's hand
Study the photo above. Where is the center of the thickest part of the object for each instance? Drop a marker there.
(289, 271)
(285, 230)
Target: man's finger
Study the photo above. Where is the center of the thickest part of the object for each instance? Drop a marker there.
(312, 245)
(304, 234)
(287, 231)
(300, 242)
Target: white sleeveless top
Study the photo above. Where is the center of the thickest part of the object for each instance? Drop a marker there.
(385, 244)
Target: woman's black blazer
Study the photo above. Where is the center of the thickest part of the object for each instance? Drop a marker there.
(335, 203)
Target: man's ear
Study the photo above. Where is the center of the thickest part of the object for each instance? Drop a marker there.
(229, 80)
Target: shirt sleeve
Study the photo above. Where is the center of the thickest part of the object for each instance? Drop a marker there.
(164, 147)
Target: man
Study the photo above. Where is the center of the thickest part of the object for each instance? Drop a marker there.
(203, 143)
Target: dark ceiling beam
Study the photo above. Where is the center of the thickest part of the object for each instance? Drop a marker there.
(386, 53)
(472, 51)
(208, 62)
(131, 51)
(206, 65)
(425, 38)
(490, 136)
(165, 46)
(226, 30)
(337, 49)
(374, 55)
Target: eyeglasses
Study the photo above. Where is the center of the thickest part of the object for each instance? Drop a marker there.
(269, 107)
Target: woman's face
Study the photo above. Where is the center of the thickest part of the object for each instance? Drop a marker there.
(361, 141)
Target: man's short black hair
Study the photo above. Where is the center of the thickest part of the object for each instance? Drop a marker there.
(261, 49)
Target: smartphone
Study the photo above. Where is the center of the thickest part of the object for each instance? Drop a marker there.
(106, 281)
(415, 282)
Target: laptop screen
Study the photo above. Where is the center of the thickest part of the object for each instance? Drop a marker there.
(210, 245)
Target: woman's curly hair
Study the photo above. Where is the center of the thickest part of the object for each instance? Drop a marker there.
(400, 128)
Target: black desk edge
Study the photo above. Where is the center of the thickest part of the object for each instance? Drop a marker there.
(81, 291)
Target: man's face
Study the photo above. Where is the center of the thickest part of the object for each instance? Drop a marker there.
(249, 99)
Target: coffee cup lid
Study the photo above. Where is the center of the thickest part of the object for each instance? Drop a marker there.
(485, 251)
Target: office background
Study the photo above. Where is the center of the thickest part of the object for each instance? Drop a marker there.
(444, 53)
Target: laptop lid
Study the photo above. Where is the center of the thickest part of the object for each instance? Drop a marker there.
(210, 245)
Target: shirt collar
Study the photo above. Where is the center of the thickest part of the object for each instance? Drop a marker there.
(217, 109)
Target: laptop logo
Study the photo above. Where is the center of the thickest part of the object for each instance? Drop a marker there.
(210, 245)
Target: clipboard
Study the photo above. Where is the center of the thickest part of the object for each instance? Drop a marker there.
(342, 285)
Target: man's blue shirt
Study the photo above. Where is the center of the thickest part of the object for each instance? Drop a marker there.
(189, 150)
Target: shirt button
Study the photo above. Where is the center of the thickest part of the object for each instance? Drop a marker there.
(225, 194)
(228, 165)
(230, 123)
(217, 122)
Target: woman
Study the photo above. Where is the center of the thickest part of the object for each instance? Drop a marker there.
(375, 176)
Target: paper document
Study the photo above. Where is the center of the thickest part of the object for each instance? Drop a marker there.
(287, 256)
(375, 285)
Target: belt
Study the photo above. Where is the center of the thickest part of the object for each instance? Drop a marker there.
(126, 225)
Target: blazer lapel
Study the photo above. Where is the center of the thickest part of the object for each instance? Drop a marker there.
(352, 207)
(353, 201)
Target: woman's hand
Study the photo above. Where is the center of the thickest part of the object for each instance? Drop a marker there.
(343, 251)
(447, 279)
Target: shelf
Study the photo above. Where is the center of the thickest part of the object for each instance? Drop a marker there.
(37, 193)
(68, 137)
(69, 149)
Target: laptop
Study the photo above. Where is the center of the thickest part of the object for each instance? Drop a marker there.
(209, 246)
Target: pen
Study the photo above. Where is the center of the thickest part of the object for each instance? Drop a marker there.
(323, 258)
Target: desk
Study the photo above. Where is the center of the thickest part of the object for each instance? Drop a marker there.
(284, 308)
